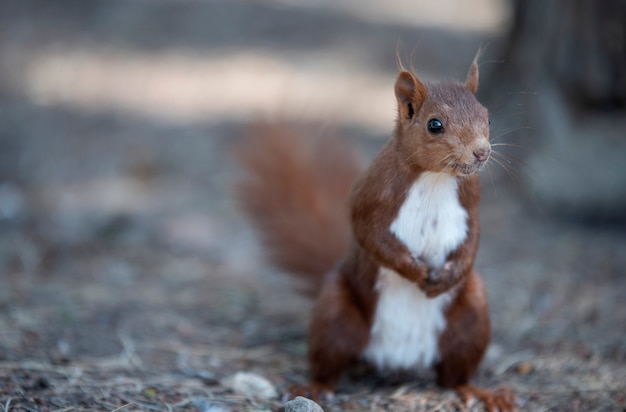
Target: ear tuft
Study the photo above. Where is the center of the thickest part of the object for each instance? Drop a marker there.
(471, 82)
(472, 78)
(410, 93)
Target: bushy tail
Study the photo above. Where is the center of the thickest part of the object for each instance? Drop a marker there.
(295, 190)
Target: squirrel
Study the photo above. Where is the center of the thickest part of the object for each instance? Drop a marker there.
(389, 252)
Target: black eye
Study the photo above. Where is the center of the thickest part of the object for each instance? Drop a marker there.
(434, 126)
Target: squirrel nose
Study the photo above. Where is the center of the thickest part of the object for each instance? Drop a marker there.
(482, 153)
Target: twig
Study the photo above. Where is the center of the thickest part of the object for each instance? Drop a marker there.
(7, 405)
(511, 361)
(129, 353)
(222, 353)
(122, 407)
(41, 366)
(100, 364)
(568, 388)
(144, 405)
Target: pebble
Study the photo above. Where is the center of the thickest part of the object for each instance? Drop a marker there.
(205, 405)
(251, 385)
(301, 404)
(524, 368)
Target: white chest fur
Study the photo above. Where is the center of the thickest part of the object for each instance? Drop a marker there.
(407, 324)
(431, 222)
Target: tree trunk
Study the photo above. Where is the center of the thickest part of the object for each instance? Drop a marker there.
(568, 60)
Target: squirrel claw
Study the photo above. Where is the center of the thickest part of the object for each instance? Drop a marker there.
(440, 280)
(500, 400)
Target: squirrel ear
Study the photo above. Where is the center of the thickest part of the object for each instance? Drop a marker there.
(410, 93)
(472, 78)
(471, 82)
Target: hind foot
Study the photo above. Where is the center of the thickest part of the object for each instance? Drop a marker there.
(499, 400)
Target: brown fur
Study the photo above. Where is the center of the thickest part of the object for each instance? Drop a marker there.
(295, 190)
(343, 316)
(466, 337)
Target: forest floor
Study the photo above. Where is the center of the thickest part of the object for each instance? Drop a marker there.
(128, 279)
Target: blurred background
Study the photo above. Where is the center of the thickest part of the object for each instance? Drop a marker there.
(129, 279)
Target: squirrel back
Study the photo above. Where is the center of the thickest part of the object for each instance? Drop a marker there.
(295, 186)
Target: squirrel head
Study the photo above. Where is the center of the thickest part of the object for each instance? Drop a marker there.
(442, 127)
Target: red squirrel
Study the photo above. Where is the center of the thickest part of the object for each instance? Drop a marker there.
(389, 252)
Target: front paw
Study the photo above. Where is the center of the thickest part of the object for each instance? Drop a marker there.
(441, 280)
(413, 269)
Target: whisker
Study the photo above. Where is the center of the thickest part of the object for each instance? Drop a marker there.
(495, 61)
(515, 129)
(507, 169)
(512, 93)
(507, 144)
(514, 176)
(497, 119)
(414, 155)
(444, 161)
(493, 185)
(512, 160)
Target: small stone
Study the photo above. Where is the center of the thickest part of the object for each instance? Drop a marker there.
(524, 368)
(301, 404)
(205, 405)
(251, 385)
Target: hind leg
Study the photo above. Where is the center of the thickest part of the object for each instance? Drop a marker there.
(463, 344)
(338, 334)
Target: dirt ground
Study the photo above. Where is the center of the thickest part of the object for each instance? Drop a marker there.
(129, 281)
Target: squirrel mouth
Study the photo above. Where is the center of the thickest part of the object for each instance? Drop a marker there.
(465, 170)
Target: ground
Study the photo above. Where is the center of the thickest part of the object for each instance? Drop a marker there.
(130, 280)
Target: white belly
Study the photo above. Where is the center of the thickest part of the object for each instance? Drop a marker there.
(406, 325)
(431, 222)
